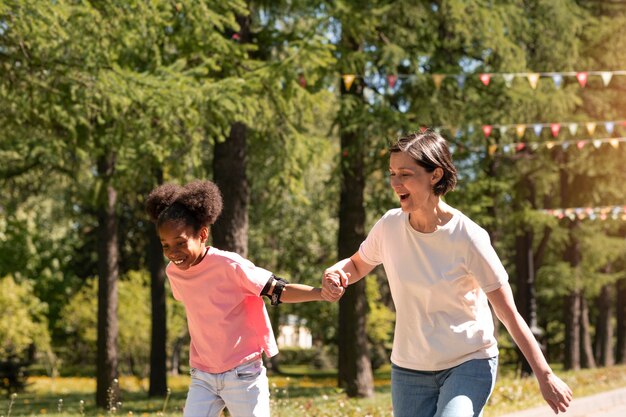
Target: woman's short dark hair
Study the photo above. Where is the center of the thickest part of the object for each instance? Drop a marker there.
(429, 150)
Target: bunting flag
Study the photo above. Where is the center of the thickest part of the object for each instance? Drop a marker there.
(533, 78)
(565, 144)
(302, 80)
(391, 80)
(582, 78)
(438, 79)
(591, 128)
(606, 77)
(591, 213)
(555, 128)
(508, 79)
(348, 79)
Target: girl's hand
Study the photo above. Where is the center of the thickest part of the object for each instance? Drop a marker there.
(557, 393)
(333, 285)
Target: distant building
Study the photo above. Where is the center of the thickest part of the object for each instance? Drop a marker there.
(294, 333)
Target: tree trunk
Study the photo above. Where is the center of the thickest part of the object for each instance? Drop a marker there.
(586, 352)
(355, 369)
(230, 232)
(108, 271)
(158, 341)
(572, 331)
(620, 352)
(230, 163)
(604, 329)
(573, 304)
(525, 295)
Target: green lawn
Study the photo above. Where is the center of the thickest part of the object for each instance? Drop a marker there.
(299, 393)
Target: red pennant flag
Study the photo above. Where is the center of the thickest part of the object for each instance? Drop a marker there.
(582, 78)
(487, 130)
(555, 128)
(520, 146)
(391, 79)
(485, 78)
(423, 129)
(302, 80)
(581, 144)
(235, 37)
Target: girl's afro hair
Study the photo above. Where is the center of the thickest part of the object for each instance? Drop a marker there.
(199, 200)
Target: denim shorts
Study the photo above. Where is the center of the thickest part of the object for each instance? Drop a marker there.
(243, 390)
(461, 391)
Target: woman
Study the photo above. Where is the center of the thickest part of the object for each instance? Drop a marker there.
(442, 272)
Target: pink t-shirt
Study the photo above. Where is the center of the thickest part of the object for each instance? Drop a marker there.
(227, 319)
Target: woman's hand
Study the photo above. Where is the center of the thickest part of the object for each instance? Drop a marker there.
(333, 284)
(557, 393)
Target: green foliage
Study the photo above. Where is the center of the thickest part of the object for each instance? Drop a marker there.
(80, 326)
(23, 333)
(23, 322)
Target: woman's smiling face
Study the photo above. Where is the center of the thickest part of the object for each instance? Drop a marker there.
(181, 244)
(410, 181)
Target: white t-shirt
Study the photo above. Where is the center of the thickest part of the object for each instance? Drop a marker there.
(438, 283)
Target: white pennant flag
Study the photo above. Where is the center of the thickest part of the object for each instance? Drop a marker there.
(573, 128)
(508, 79)
(606, 77)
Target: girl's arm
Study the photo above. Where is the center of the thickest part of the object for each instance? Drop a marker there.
(300, 293)
(556, 392)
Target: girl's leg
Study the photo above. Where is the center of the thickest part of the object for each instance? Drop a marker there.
(413, 393)
(203, 399)
(246, 390)
(466, 388)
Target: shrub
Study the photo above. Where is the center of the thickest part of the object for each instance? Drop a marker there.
(23, 331)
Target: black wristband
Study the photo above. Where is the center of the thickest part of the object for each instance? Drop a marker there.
(278, 290)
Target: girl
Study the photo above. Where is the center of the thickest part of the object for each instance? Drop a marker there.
(442, 272)
(221, 291)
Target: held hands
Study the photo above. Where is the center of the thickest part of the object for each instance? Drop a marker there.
(556, 392)
(334, 284)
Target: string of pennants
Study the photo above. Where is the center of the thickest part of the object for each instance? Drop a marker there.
(564, 144)
(591, 213)
(582, 77)
(521, 128)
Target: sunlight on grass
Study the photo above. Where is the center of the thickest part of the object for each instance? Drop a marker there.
(299, 392)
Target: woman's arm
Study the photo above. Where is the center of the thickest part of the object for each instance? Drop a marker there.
(556, 392)
(343, 273)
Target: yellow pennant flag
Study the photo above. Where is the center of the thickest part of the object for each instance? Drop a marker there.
(438, 79)
(533, 78)
(519, 130)
(492, 149)
(348, 79)
(549, 144)
(591, 127)
(614, 143)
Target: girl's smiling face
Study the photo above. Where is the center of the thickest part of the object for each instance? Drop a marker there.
(181, 244)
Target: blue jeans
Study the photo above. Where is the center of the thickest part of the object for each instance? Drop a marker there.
(461, 391)
(244, 390)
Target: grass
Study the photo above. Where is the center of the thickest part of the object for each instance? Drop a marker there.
(300, 392)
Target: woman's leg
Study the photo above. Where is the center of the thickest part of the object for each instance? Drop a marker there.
(413, 393)
(466, 388)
